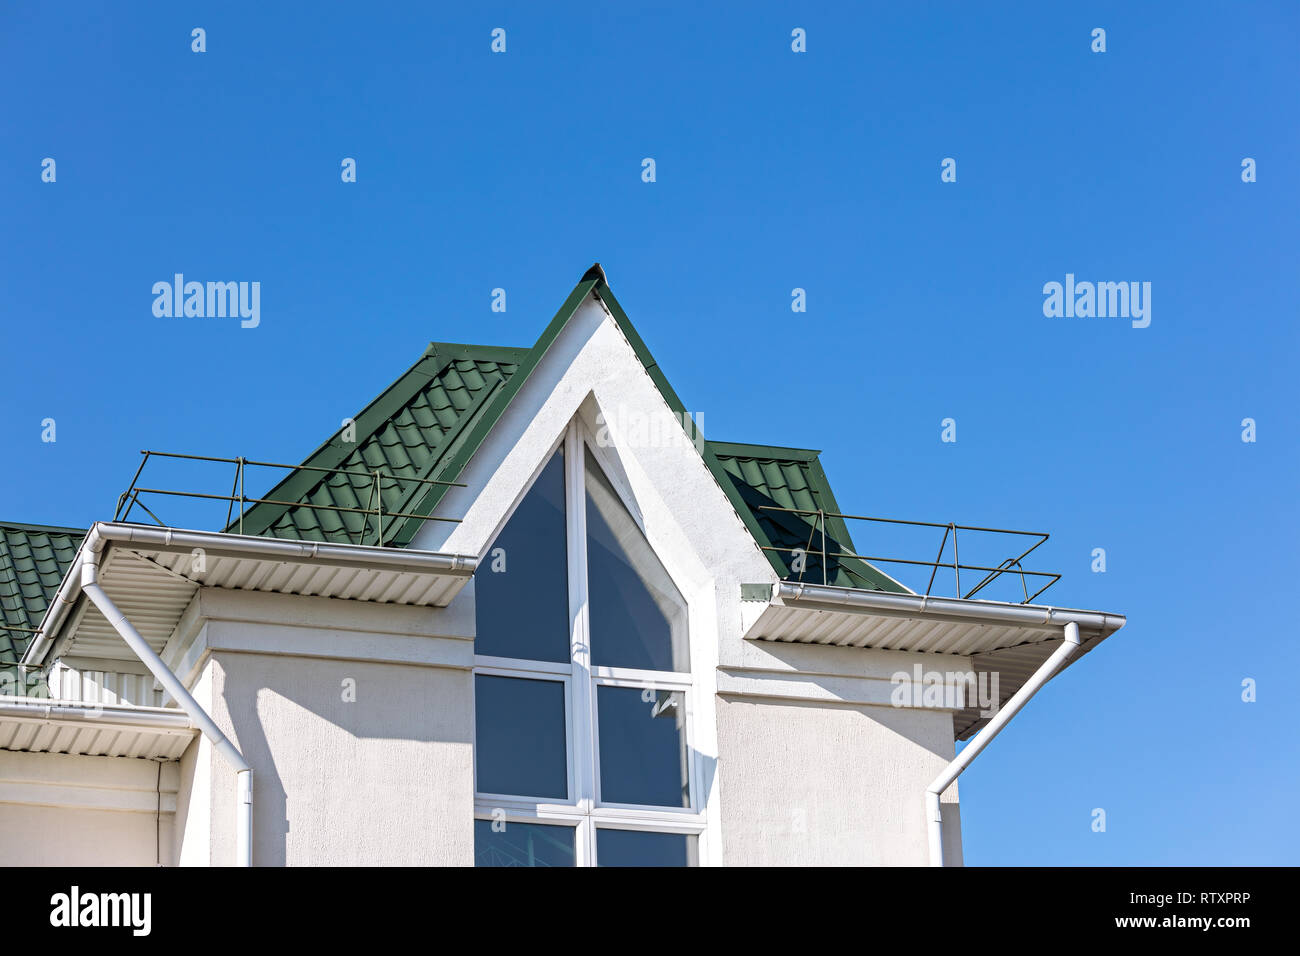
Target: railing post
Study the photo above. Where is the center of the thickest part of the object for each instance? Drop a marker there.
(379, 508)
(822, 516)
(239, 468)
(937, 559)
(144, 457)
(956, 558)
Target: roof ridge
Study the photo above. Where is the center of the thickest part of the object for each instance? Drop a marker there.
(736, 448)
(441, 348)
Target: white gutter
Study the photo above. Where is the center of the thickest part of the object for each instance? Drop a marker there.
(955, 609)
(933, 811)
(317, 552)
(59, 607)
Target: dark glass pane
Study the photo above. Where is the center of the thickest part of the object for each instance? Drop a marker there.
(521, 589)
(638, 617)
(519, 737)
(643, 757)
(641, 848)
(522, 844)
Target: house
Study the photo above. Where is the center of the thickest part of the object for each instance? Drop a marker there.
(517, 612)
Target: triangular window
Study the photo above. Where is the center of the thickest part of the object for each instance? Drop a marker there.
(522, 586)
(583, 685)
(638, 617)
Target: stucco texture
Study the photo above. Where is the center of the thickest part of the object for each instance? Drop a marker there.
(806, 784)
(384, 780)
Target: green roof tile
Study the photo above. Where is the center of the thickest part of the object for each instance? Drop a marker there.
(758, 478)
(33, 561)
(404, 433)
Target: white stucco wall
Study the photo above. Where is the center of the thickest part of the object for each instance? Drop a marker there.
(192, 827)
(819, 767)
(385, 779)
(816, 784)
(67, 810)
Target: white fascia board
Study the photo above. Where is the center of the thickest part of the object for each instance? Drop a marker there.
(48, 710)
(219, 544)
(102, 535)
(882, 603)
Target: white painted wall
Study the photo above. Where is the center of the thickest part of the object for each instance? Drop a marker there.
(386, 779)
(68, 810)
(819, 767)
(826, 784)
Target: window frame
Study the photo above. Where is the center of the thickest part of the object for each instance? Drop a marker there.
(584, 810)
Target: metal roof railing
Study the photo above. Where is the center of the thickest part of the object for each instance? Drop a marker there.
(1010, 565)
(130, 498)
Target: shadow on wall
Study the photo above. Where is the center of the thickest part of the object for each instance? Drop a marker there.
(349, 757)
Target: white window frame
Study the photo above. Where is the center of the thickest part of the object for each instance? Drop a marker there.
(584, 810)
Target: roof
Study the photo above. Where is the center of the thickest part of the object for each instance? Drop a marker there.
(429, 422)
(407, 432)
(759, 478)
(33, 560)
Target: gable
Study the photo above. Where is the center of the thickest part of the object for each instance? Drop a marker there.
(429, 423)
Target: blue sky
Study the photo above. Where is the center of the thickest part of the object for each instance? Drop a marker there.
(774, 170)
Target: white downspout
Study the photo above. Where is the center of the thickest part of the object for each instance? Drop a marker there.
(933, 812)
(243, 772)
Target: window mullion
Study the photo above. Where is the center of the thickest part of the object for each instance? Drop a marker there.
(581, 743)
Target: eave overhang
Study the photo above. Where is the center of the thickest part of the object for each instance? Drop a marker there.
(1011, 640)
(152, 574)
(40, 725)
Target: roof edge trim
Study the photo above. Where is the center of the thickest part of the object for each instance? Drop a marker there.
(818, 597)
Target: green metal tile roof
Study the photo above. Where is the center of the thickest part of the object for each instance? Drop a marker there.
(33, 561)
(429, 423)
(758, 478)
(407, 432)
